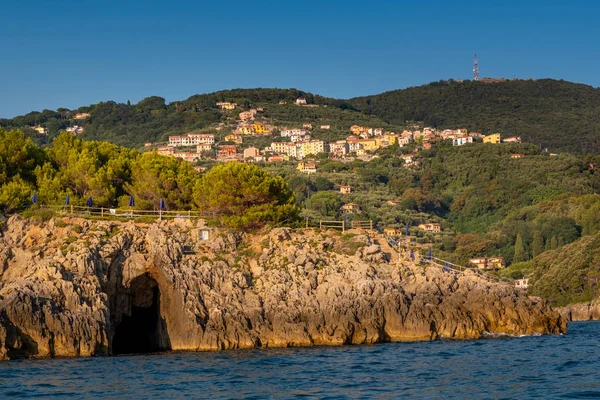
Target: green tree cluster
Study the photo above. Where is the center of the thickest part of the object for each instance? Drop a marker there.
(245, 196)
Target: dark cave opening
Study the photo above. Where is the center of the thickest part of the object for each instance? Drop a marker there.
(142, 330)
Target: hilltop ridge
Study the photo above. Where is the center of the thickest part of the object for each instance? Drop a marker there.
(558, 115)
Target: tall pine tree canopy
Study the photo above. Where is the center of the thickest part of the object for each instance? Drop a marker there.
(245, 196)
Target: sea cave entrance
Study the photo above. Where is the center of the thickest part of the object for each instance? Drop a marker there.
(142, 329)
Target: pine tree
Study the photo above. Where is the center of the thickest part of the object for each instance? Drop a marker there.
(537, 247)
(519, 249)
(553, 243)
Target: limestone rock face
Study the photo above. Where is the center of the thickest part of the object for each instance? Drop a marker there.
(75, 287)
(581, 311)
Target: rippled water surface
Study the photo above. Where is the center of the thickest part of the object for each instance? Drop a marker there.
(529, 367)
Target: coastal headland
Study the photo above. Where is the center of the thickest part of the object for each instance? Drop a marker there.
(74, 287)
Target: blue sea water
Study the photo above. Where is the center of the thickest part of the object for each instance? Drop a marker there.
(543, 367)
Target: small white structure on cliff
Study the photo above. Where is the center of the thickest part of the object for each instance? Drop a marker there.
(522, 283)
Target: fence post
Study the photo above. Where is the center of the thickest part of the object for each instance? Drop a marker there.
(71, 209)
(320, 224)
(102, 211)
(371, 224)
(306, 222)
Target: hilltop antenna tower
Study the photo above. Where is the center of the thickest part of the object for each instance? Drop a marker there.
(475, 68)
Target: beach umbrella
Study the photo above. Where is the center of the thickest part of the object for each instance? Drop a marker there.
(407, 231)
(34, 198)
(131, 202)
(90, 203)
(430, 255)
(162, 204)
(412, 254)
(68, 199)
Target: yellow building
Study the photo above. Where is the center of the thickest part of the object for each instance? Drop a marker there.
(369, 144)
(246, 130)
(313, 147)
(234, 138)
(390, 138)
(260, 128)
(493, 138)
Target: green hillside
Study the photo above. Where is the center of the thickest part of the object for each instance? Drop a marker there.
(570, 274)
(558, 115)
(153, 120)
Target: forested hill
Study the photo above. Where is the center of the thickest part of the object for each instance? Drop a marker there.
(152, 119)
(559, 115)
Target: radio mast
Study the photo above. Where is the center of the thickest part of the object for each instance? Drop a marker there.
(475, 68)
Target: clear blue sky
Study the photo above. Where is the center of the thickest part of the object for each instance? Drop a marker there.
(71, 53)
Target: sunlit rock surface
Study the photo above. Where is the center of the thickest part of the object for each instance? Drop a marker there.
(76, 287)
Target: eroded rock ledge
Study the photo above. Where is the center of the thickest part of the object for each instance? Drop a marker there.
(75, 287)
(581, 311)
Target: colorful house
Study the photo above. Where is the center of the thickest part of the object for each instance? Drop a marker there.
(392, 232)
(235, 138)
(435, 228)
(479, 262)
(246, 130)
(493, 138)
(260, 128)
(350, 208)
(307, 167)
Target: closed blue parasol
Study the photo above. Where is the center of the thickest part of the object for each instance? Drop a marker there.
(430, 256)
(68, 199)
(90, 203)
(131, 202)
(407, 231)
(34, 198)
(162, 204)
(412, 254)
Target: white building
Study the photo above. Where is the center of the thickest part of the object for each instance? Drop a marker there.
(192, 139)
(290, 132)
(462, 140)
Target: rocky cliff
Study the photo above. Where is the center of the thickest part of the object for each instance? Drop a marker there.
(77, 287)
(581, 311)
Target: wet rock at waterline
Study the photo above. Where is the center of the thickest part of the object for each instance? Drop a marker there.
(75, 287)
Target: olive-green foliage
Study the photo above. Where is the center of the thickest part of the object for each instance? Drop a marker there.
(84, 169)
(16, 194)
(154, 177)
(106, 172)
(566, 275)
(519, 249)
(19, 157)
(323, 205)
(245, 196)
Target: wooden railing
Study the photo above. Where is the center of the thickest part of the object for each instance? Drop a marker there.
(362, 224)
(438, 262)
(124, 213)
(447, 265)
(332, 225)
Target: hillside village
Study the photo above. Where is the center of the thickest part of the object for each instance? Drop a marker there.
(295, 143)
